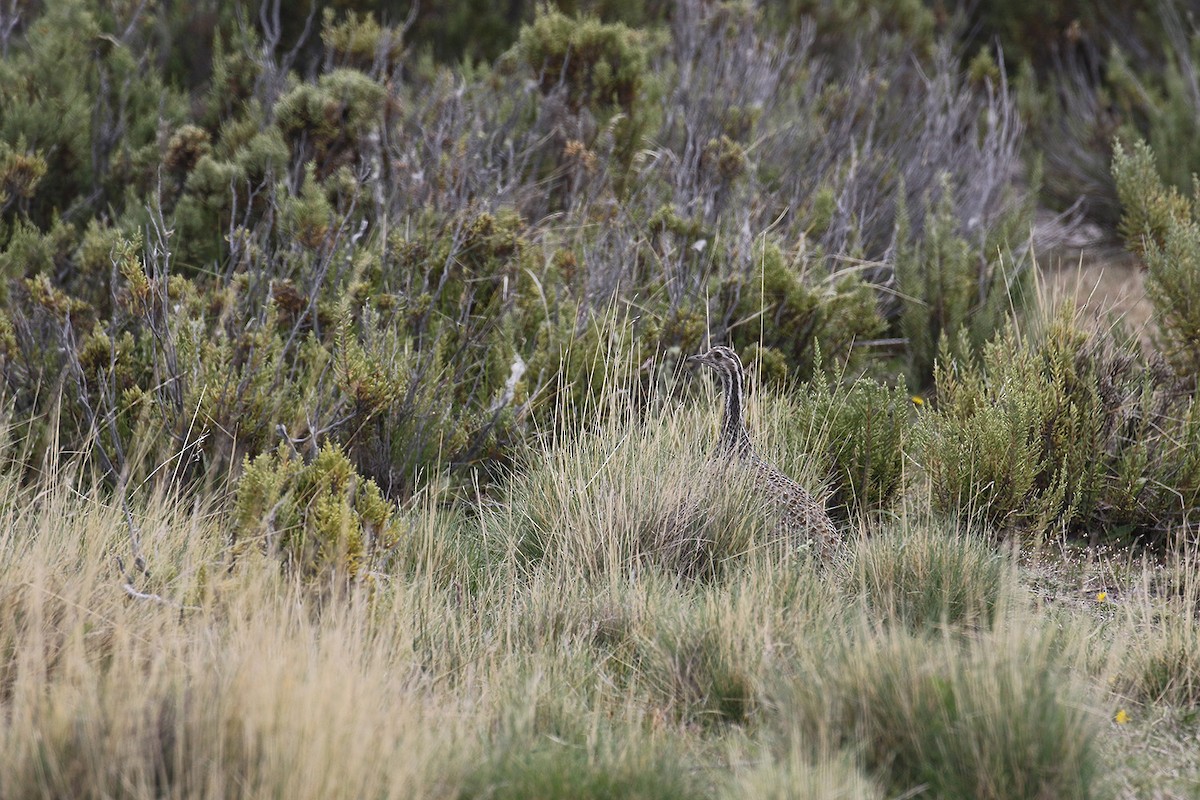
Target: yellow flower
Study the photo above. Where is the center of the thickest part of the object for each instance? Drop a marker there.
(1121, 718)
(918, 401)
(1101, 597)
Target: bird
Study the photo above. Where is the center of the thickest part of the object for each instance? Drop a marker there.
(801, 516)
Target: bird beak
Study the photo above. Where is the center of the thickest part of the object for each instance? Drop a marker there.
(693, 360)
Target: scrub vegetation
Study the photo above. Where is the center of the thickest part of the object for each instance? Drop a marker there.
(347, 447)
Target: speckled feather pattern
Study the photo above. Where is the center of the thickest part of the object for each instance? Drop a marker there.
(801, 517)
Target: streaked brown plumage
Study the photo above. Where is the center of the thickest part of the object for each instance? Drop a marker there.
(801, 516)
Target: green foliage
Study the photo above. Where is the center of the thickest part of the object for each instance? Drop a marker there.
(813, 319)
(309, 216)
(1062, 430)
(1160, 104)
(244, 161)
(322, 517)
(892, 24)
(361, 43)
(602, 66)
(1164, 228)
(92, 113)
(20, 172)
(863, 430)
(332, 117)
(951, 294)
(562, 771)
(30, 251)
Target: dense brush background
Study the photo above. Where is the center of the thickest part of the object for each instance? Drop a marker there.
(346, 448)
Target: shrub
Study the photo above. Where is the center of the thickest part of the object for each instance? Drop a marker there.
(1156, 97)
(322, 517)
(431, 264)
(329, 121)
(1164, 228)
(598, 71)
(601, 66)
(952, 295)
(861, 431)
(92, 113)
(1062, 428)
(810, 317)
(20, 172)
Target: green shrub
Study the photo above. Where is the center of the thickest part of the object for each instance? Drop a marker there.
(1063, 428)
(361, 43)
(1164, 228)
(813, 319)
(21, 169)
(329, 121)
(1157, 101)
(602, 68)
(93, 113)
(322, 518)
(951, 293)
(862, 430)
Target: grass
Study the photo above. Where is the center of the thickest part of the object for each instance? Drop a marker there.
(921, 573)
(582, 638)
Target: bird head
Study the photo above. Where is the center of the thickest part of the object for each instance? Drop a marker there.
(720, 358)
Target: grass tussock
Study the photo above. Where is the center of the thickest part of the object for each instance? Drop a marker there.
(994, 717)
(924, 573)
(1161, 658)
(639, 492)
(218, 685)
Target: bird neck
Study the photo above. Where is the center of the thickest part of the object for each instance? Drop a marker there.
(734, 436)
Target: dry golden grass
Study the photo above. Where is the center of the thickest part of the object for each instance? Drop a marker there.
(469, 670)
(1109, 287)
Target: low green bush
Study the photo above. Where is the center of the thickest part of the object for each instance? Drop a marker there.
(861, 432)
(322, 518)
(1063, 429)
(1163, 227)
(951, 293)
(810, 317)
